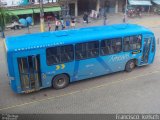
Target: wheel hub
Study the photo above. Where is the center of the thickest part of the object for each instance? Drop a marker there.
(132, 65)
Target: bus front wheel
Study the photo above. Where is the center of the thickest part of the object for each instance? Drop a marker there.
(60, 81)
(130, 65)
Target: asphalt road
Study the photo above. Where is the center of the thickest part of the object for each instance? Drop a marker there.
(135, 92)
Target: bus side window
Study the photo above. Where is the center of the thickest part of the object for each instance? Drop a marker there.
(111, 46)
(80, 49)
(93, 49)
(67, 53)
(132, 43)
(126, 44)
(53, 55)
(117, 45)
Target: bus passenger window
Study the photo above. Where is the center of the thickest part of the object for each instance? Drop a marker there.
(132, 43)
(126, 44)
(81, 51)
(61, 54)
(93, 49)
(111, 46)
(53, 55)
(67, 53)
(117, 45)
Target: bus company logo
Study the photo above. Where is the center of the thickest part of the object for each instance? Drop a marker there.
(116, 58)
(62, 66)
(89, 65)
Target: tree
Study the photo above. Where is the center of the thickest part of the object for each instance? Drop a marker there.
(5, 17)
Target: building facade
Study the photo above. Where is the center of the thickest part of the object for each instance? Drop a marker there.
(32, 8)
(78, 7)
(74, 7)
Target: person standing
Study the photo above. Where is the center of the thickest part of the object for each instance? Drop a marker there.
(49, 25)
(57, 24)
(73, 24)
(124, 18)
(62, 24)
(85, 17)
(68, 23)
(105, 20)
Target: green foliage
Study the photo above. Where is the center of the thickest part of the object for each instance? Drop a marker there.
(6, 17)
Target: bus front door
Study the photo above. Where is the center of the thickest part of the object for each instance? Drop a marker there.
(146, 50)
(29, 69)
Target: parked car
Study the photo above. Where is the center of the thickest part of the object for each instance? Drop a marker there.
(15, 25)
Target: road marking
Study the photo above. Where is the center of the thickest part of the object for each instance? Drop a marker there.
(78, 91)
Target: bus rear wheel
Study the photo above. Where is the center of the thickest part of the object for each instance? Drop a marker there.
(60, 81)
(130, 65)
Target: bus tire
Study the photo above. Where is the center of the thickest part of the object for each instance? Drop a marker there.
(130, 65)
(60, 81)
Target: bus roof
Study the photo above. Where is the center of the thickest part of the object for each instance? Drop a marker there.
(56, 38)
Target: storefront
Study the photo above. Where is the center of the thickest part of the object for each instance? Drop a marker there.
(144, 5)
(156, 6)
(157, 2)
(111, 6)
(140, 2)
(34, 11)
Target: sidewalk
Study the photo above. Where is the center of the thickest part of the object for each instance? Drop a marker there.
(149, 20)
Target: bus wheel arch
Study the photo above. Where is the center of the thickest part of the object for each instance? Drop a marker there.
(60, 81)
(131, 64)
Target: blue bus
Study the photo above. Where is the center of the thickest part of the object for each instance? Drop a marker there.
(41, 60)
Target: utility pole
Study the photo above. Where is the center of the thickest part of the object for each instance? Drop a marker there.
(41, 17)
(125, 14)
(67, 7)
(126, 8)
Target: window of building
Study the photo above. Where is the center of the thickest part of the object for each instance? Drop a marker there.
(111, 46)
(56, 55)
(87, 50)
(132, 43)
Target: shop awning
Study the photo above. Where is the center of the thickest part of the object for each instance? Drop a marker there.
(51, 9)
(21, 11)
(34, 10)
(140, 2)
(156, 2)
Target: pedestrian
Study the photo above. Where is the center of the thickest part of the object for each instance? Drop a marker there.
(68, 23)
(57, 24)
(85, 17)
(124, 18)
(62, 24)
(105, 20)
(73, 24)
(49, 25)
